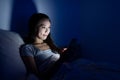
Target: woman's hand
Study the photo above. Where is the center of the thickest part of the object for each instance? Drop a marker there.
(63, 50)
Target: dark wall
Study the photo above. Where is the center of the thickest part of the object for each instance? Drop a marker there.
(67, 24)
(99, 29)
(21, 12)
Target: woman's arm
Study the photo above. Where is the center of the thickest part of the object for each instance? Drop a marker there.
(31, 65)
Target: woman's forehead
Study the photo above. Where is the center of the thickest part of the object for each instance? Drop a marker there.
(44, 22)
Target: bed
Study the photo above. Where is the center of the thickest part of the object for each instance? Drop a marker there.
(83, 69)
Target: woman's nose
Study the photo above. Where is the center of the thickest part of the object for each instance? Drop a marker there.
(46, 30)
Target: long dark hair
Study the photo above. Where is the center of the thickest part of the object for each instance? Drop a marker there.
(33, 30)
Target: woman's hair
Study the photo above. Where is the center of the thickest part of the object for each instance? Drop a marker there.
(33, 30)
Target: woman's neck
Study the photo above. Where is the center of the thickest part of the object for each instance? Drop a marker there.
(39, 41)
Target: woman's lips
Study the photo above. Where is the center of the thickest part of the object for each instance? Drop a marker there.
(44, 35)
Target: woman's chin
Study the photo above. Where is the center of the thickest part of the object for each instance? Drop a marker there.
(44, 38)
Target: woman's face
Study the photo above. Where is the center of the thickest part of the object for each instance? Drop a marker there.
(44, 29)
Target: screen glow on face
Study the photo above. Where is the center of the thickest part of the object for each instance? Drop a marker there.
(44, 29)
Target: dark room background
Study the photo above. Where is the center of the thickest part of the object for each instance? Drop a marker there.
(94, 23)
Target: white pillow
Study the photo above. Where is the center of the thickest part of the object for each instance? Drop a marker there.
(11, 65)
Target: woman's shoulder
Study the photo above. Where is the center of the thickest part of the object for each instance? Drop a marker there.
(27, 44)
(27, 47)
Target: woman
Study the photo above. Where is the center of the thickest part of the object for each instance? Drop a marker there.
(40, 54)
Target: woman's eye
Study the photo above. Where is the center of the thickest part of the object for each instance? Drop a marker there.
(43, 27)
